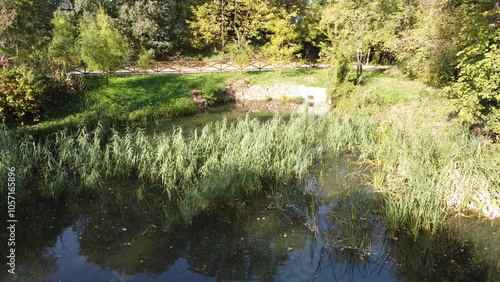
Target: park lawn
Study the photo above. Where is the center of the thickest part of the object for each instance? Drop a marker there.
(136, 100)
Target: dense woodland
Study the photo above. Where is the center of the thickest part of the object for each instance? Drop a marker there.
(449, 44)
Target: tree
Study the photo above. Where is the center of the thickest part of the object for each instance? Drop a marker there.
(63, 45)
(216, 21)
(425, 38)
(210, 24)
(102, 47)
(146, 59)
(7, 17)
(157, 24)
(29, 25)
(354, 27)
(282, 45)
(476, 93)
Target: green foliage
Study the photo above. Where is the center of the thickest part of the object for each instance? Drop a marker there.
(138, 22)
(209, 24)
(352, 28)
(476, 94)
(157, 24)
(63, 45)
(215, 21)
(282, 45)
(146, 59)
(210, 91)
(7, 16)
(102, 46)
(426, 47)
(340, 72)
(25, 23)
(21, 94)
(240, 54)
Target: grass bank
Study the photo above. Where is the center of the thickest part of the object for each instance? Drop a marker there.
(137, 100)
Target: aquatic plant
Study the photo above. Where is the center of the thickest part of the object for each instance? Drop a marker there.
(419, 177)
(197, 169)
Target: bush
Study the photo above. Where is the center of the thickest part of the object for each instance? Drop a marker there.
(476, 94)
(21, 94)
(240, 54)
(146, 59)
(210, 91)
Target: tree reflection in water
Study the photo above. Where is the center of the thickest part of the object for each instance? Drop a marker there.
(330, 229)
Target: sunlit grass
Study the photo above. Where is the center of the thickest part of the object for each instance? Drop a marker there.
(427, 169)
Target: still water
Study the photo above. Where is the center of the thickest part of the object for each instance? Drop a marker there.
(326, 228)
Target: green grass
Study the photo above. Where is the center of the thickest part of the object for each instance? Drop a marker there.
(136, 100)
(307, 77)
(394, 89)
(130, 100)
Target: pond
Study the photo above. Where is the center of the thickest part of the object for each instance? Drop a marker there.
(326, 228)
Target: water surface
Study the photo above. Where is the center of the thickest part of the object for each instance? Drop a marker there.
(326, 228)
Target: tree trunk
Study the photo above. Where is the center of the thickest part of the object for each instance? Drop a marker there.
(496, 18)
(223, 19)
(359, 64)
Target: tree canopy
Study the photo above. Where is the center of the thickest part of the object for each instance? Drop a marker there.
(436, 41)
(102, 46)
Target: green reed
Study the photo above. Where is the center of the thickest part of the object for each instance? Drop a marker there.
(420, 178)
(222, 162)
(424, 178)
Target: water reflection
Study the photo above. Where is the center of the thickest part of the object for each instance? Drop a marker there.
(328, 229)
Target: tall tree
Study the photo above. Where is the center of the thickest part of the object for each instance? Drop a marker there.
(352, 28)
(476, 93)
(102, 46)
(29, 25)
(218, 21)
(158, 24)
(63, 45)
(7, 16)
(283, 42)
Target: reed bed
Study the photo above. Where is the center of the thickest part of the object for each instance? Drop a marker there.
(419, 177)
(424, 178)
(197, 170)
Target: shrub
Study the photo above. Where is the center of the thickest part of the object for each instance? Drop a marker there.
(210, 91)
(476, 94)
(146, 59)
(21, 94)
(240, 54)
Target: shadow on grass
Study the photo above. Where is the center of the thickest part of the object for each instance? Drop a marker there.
(126, 101)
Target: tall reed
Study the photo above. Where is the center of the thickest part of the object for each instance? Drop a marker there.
(197, 169)
(420, 178)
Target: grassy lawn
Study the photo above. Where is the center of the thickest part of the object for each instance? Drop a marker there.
(135, 99)
(130, 100)
(308, 77)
